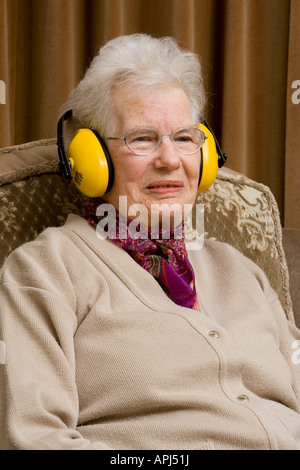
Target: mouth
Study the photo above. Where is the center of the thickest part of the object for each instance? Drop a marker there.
(164, 187)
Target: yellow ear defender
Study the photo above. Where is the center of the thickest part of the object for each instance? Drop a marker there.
(212, 158)
(88, 162)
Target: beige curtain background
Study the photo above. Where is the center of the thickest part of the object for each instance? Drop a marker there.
(250, 53)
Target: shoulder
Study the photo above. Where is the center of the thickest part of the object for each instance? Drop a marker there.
(224, 262)
(220, 252)
(50, 254)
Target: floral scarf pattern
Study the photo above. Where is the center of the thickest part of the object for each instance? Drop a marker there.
(165, 259)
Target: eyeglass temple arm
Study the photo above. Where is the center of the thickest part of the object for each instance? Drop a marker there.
(222, 157)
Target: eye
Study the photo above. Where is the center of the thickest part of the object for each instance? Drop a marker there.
(142, 138)
(183, 136)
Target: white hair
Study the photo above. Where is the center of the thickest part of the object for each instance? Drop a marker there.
(142, 62)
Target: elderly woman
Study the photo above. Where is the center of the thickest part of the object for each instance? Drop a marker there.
(131, 342)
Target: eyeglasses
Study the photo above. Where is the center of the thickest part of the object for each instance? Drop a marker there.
(144, 141)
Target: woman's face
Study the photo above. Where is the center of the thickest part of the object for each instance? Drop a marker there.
(164, 176)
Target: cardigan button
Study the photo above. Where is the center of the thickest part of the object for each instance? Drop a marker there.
(243, 398)
(214, 334)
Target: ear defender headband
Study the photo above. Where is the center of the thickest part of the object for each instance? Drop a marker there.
(88, 163)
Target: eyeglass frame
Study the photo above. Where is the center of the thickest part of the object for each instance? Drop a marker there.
(160, 139)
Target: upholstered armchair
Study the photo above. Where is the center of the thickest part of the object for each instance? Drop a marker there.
(34, 195)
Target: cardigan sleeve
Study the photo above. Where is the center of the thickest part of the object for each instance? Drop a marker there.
(39, 404)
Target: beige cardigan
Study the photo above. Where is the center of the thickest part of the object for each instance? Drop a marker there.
(97, 356)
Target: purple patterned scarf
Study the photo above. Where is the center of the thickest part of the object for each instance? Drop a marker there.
(165, 259)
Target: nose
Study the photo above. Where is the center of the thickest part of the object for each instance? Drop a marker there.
(166, 156)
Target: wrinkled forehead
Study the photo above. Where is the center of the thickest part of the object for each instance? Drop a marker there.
(165, 108)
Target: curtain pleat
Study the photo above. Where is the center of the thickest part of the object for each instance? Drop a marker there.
(254, 92)
(292, 124)
(249, 51)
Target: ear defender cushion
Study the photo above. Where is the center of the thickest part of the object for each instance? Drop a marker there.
(209, 160)
(90, 163)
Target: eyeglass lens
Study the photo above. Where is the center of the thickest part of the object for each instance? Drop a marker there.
(144, 141)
